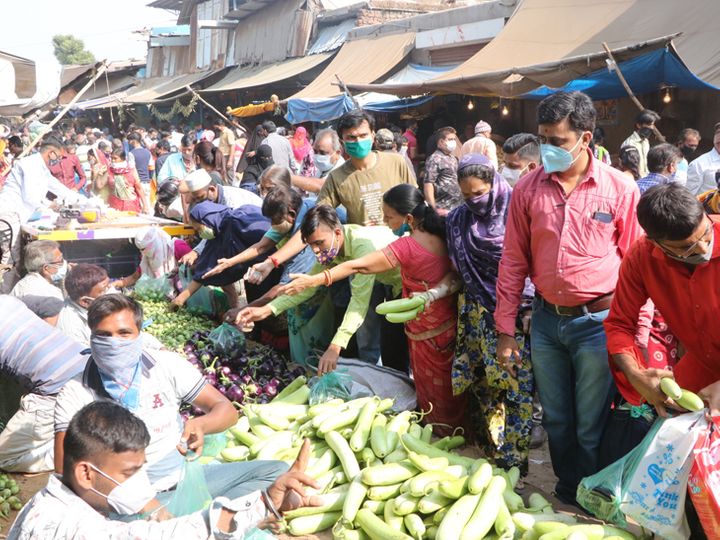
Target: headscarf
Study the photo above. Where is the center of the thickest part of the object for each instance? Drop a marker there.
(251, 146)
(158, 252)
(235, 229)
(300, 144)
(263, 156)
(475, 238)
(208, 135)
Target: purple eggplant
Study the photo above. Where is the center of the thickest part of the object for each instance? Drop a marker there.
(235, 393)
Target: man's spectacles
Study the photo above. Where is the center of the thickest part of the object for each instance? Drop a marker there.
(689, 251)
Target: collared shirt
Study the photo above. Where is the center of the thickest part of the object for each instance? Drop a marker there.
(643, 147)
(57, 513)
(227, 141)
(701, 172)
(359, 241)
(28, 183)
(174, 167)
(361, 192)
(686, 298)
(480, 144)
(65, 171)
(652, 179)
(570, 246)
(39, 356)
(235, 197)
(34, 284)
(72, 322)
(167, 382)
(441, 171)
(281, 150)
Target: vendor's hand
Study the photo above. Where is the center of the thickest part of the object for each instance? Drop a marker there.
(526, 321)
(508, 353)
(252, 314)
(221, 266)
(117, 284)
(257, 273)
(192, 438)
(328, 361)
(179, 300)
(189, 258)
(299, 283)
(288, 491)
(711, 395)
(647, 384)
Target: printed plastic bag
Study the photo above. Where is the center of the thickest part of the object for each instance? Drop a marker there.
(148, 288)
(191, 494)
(336, 384)
(655, 495)
(704, 481)
(227, 340)
(200, 303)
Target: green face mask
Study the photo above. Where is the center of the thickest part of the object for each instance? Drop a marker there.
(206, 233)
(358, 149)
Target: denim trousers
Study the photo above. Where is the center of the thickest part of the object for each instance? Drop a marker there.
(570, 363)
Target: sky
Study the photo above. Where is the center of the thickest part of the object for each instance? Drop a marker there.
(106, 27)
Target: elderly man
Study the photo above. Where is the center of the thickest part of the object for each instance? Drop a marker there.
(281, 148)
(328, 151)
(153, 385)
(46, 270)
(481, 143)
(37, 360)
(104, 472)
(688, 141)
(701, 176)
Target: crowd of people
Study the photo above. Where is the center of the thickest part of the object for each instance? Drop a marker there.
(556, 286)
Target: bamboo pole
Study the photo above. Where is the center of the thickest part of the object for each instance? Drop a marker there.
(102, 69)
(221, 115)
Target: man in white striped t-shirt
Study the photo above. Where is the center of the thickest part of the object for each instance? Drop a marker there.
(40, 359)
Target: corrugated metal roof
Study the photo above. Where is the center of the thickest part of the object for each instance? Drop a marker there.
(151, 90)
(331, 37)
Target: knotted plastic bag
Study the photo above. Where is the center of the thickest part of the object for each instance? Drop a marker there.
(191, 493)
(149, 288)
(227, 340)
(336, 384)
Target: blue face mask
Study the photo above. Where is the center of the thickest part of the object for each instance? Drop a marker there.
(118, 361)
(402, 229)
(556, 159)
(358, 149)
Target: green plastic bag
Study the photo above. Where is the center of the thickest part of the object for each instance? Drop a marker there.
(200, 303)
(148, 288)
(227, 341)
(336, 384)
(191, 494)
(213, 444)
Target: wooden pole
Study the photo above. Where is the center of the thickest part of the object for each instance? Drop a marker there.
(221, 115)
(347, 92)
(629, 91)
(65, 109)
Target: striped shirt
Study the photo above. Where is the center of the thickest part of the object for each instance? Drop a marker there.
(38, 355)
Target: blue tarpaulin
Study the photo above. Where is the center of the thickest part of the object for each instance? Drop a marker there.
(647, 73)
(317, 110)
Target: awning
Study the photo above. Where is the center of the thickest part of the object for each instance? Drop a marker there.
(152, 90)
(18, 78)
(361, 60)
(331, 37)
(551, 42)
(410, 74)
(248, 77)
(642, 74)
(317, 109)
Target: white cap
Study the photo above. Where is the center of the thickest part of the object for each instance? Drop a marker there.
(195, 181)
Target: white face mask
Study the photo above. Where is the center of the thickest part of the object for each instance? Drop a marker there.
(451, 145)
(282, 228)
(512, 176)
(131, 496)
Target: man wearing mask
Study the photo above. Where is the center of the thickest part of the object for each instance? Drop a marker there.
(569, 225)
(702, 171)
(522, 155)
(688, 142)
(663, 164)
(675, 266)
(440, 184)
(179, 164)
(640, 138)
(46, 269)
(153, 385)
(328, 151)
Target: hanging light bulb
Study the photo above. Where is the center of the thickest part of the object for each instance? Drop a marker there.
(504, 111)
(667, 96)
(470, 105)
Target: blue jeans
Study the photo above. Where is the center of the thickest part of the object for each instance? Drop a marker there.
(570, 363)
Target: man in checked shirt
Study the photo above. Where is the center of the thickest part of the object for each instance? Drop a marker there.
(570, 223)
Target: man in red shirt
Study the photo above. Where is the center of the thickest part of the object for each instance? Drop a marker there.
(570, 223)
(677, 266)
(65, 168)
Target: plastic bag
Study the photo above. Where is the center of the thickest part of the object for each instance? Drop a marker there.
(649, 483)
(257, 534)
(213, 444)
(704, 481)
(336, 384)
(227, 340)
(148, 288)
(191, 494)
(200, 303)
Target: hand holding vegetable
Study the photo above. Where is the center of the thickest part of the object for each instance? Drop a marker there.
(711, 394)
(508, 353)
(288, 491)
(252, 314)
(647, 383)
(192, 437)
(179, 300)
(300, 282)
(220, 267)
(257, 273)
(328, 361)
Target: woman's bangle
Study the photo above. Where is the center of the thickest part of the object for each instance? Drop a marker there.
(275, 262)
(328, 277)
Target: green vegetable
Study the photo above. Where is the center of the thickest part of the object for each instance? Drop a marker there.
(690, 401)
(304, 525)
(354, 499)
(403, 316)
(378, 436)
(486, 512)
(378, 529)
(390, 473)
(400, 305)
(457, 517)
(359, 438)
